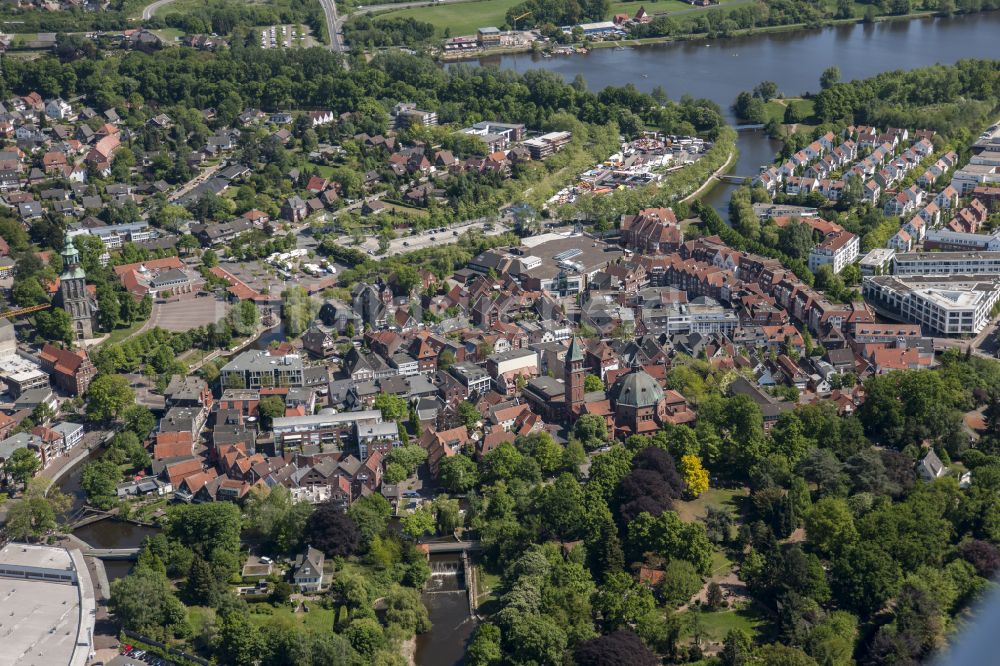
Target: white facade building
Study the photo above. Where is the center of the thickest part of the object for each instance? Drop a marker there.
(953, 305)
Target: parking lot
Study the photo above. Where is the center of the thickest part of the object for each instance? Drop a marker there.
(124, 660)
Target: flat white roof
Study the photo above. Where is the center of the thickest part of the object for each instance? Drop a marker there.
(45, 623)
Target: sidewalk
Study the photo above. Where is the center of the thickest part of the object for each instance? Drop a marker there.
(63, 464)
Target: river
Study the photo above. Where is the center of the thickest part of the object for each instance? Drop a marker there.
(718, 70)
(448, 609)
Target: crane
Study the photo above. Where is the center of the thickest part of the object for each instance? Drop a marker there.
(518, 18)
(23, 311)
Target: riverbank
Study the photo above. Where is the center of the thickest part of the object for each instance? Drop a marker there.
(711, 180)
(705, 36)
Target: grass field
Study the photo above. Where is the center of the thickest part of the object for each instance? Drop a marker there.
(715, 626)
(715, 497)
(461, 18)
(464, 18)
(120, 334)
(318, 619)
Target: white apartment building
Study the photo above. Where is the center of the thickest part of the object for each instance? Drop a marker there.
(837, 250)
(877, 262)
(967, 178)
(946, 263)
(953, 305)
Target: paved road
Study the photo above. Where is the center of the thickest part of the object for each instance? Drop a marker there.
(333, 24)
(151, 10)
(194, 182)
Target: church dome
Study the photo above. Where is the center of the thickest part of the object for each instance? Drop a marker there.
(638, 389)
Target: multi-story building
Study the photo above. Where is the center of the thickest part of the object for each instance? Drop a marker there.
(877, 262)
(547, 144)
(837, 250)
(475, 380)
(327, 432)
(946, 263)
(256, 369)
(941, 305)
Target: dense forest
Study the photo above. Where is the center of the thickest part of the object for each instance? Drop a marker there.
(368, 32)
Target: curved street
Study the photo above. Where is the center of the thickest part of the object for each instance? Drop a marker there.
(150, 10)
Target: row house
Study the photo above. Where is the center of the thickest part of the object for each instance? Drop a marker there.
(905, 202)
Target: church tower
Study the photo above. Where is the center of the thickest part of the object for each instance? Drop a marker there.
(73, 290)
(573, 377)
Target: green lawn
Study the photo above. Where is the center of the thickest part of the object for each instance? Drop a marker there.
(461, 18)
(199, 617)
(464, 18)
(721, 564)
(715, 626)
(170, 35)
(406, 210)
(715, 497)
(318, 619)
(120, 334)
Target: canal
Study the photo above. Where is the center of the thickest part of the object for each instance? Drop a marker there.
(447, 602)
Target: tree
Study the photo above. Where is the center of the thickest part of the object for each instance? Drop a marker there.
(418, 523)
(535, 639)
(332, 531)
(365, 635)
(211, 529)
(695, 476)
(982, 555)
(108, 396)
(238, 643)
(55, 325)
(668, 536)
(371, 515)
(830, 526)
(139, 420)
(142, 602)
(830, 77)
(865, 577)
(270, 408)
(736, 648)
(271, 516)
(393, 407)
(766, 90)
(202, 587)
(561, 505)
(99, 480)
(591, 430)
(619, 648)
(777, 654)
(681, 581)
(404, 609)
(621, 600)
(22, 465)
(592, 383)
(31, 518)
(500, 464)
(484, 650)
(651, 486)
(396, 473)
(468, 414)
(458, 474)
(714, 597)
(410, 457)
(543, 449)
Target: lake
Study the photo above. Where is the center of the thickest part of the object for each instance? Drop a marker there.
(718, 70)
